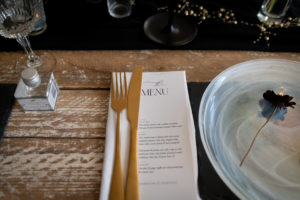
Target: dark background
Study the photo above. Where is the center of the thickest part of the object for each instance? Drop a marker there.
(86, 25)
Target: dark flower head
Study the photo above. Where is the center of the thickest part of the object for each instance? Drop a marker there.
(282, 101)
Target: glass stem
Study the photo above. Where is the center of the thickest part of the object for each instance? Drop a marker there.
(32, 59)
(170, 28)
(171, 15)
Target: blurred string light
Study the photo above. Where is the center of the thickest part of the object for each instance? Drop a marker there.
(201, 14)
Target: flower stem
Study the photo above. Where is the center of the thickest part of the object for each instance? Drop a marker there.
(252, 143)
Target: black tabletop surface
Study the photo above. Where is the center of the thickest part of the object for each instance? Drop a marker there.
(210, 185)
(6, 103)
(86, 25)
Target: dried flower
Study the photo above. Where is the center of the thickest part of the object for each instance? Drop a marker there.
(278, 101)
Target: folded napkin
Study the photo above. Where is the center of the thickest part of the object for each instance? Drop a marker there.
(166, 140)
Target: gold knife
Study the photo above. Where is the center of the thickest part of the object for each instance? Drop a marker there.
(134, 93)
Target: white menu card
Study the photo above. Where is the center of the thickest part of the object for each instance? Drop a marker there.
(167, 159)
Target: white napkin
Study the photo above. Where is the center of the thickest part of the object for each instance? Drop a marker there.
(125, 134)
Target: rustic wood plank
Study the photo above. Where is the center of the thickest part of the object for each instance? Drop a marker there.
(59, 155)
(91, 69)
(36, 168)
(79, 114)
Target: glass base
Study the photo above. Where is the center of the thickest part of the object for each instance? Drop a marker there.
(120, 10)
(268, 19)
(182, 30)
(48, 62)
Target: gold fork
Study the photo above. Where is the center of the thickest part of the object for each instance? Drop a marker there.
(118, 103)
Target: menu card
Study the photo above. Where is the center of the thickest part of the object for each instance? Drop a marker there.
(167, 159)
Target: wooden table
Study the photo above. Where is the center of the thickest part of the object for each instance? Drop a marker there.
(59, 155)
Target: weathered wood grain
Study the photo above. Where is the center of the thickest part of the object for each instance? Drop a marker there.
(59, 155)
(79, 114)
(35, 168)
(91, 69)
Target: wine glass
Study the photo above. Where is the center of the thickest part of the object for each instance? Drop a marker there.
(16, 22)
(169, 28)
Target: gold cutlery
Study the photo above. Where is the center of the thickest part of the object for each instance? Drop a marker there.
(118, 103)
(134, 93)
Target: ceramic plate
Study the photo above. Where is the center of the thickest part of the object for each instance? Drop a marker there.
(232, 110)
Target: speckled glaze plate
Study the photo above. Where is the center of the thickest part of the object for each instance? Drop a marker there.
(232, 110)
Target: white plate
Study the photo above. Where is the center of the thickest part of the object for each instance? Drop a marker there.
(230, 115)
